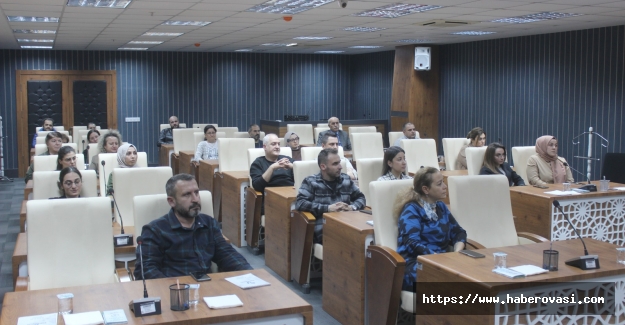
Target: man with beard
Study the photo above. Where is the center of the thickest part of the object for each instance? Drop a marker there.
(184, 240)
(254, 132)
(167, 135)
(48, 125)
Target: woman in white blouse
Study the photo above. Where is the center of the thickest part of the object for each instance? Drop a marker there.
(207, 149)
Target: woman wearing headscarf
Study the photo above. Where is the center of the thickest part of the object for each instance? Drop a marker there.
(126, 158)
(545, 167)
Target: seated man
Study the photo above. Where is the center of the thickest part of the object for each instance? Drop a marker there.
(332, 142)
(48, 125)
(185, 240)
(254, 132)
(409, 133)
(328, 191)
(167, 135)
(341, 135)
(91, 126)
(292, 140)
(272, 169)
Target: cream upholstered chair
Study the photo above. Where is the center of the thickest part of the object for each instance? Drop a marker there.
(369, 170)
(420, 152)
(45, 184)
(393, 136)
(240, 135)
(230, 131)
(384, 266)
(481, 205)
(130, 182)
(41, 148)
(166, 126)
(184, 140)
(201, 126)
(325, 124)
(92, 150)
(311, 153)
(110, 160)
(303, 131)
(303, 169)
(318, 130)
(367, 145)
(67, 244)
(475, 159)
(362, 129)
(520, 155)
(451, 148)
(75, 129)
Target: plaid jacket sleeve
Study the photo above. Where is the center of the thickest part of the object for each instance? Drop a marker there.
(306, 198)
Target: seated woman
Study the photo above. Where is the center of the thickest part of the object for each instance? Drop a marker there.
(478, 139)
(292, 140)
(545, 167)
(70, 183)
(126, 158)
(394, 165)
(208, 149)
(495, 163)
(92, 137)
(66, 158)
(108, 143)
(425, 224)
(54, 141)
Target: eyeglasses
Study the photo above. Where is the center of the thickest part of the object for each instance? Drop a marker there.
(294, 139)
(70, 183)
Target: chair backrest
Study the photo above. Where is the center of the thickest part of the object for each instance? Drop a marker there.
(166, 126)
(78, 136)
(75, 129)
(482, 206)
(45, 184)
(325, 124)
(362, 129)
(153, 206)
(230, 131)
(451, 148)
(303, 169)
(93, 150)
(48, 163)
(420, 152)
(393, 136)
(201, 126)
(383, 196)
(240, 135)
(475, 159)
(41, 148)
(520, 155)
(367, 145)
(282, 142)
(318, 130)
(232, 153)
(311, 153)
(613, 171)
(184, 140)
(41, 136)
(369, 170)
(303, 131)
(199, 137)
(130, 182)
(110, 160)
(69, 243)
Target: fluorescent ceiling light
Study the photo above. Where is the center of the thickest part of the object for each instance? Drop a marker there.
(396, 10)
(290, 7)
(145, 42)
(472, 33)
(279, 44)
(31, 19)
(185, 23)
(312, 37)
(329, 52)
(363, 29)
(35, 40)
(365, 47)
(133, 48)
(413, 41)
(115, 4)
(535, 17)
(34, 31)
(35, 47)
(243, 50)
(161, 34)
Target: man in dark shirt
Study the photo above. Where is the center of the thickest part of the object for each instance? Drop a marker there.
(272, 169)
(328, 191)
(254, 132)
(185, 240)
(167, 135)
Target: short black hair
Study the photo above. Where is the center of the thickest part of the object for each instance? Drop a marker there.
(328, 135)
(170, 187)
(322, 158)
(210, 126)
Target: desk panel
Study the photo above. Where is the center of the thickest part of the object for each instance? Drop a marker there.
(233, 208)
(184, 162)
(278, 201)
(164, 153)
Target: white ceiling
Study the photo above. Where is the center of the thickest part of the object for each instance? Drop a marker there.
(232, 28)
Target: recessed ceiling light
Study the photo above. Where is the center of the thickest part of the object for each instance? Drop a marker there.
(290, 7)
(185, 23)
(329, 52)
(161, 34)
(31, 19)
(472, 33)
(145, 42)
(132, 48)
(115, 4)
(279, 44)
(535, 17)
(34, 31)
(413, 41)
(35, 40)
(363, 29)
(312, 37)
(396, 10)
(35, 47)
(243, 50)
(365, 47)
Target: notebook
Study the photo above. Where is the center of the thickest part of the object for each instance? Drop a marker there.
(219, 302)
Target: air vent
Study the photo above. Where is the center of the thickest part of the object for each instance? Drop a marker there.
(446, 23)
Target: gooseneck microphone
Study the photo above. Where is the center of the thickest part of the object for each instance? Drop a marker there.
(144, 306)
(588, 187)
(586, 262)
(577, 171)
(145, 289)
(122, 239)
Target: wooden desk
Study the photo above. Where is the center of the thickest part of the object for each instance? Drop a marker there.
(185, 165)
(23, 216)
(208, 181)
(233, 208)
(28, 189)
(597, 215)
(278, 201)
(275, 300)
(175, 163)
(466, 275)
(346, 236)
(164, 153)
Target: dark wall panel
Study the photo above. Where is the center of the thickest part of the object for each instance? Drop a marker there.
(520, 88)
(372, 77)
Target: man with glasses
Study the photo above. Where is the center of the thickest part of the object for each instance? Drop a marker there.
(334, 125)
(292, 140)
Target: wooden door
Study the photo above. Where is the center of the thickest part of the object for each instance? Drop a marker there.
(66, 114)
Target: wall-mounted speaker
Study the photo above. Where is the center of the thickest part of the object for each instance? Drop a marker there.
(422, 58)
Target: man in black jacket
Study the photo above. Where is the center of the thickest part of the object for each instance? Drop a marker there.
(272, 169)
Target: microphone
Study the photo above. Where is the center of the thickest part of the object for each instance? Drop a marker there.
(144, 306)
(123, 239)
(589, 187)
(585, 262)
(577, 171)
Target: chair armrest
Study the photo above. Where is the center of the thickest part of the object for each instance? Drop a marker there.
(302, 233)
(253, 205)
(384, 273)
(472, 244)
(123, 275)
(21, 284)
(533, 237)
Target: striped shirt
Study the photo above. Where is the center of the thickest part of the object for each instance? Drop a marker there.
(390, 177)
